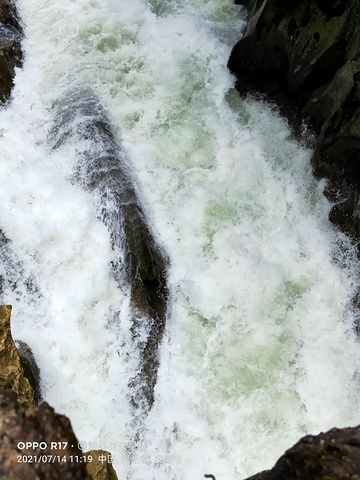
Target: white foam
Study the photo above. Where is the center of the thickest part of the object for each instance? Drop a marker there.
(258, 348)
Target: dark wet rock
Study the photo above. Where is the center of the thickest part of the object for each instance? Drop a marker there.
(59, 452)
(334, 455)
(9, 15)
(100, 468)
(11, 372)
(142, 264)
(30, 368)
(306, 57)
(291, 48)
(10, 47)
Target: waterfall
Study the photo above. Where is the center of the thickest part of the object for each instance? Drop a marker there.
(258, 347)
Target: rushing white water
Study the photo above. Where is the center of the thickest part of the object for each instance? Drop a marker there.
(259, 347)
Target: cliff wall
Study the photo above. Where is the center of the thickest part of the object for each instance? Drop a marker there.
(305, 56)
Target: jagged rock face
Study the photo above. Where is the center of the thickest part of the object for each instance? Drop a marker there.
(306, 56)
(11, 372)
(141, 265)
(334, 455)
(30, 368)
(10, 47)
(58, 457)
(100, 468)
(333, 113)
(9, 15)
(292, 47)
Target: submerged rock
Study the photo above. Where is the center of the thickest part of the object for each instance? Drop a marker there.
(54, 456)
(334, 455)
(11, 372)
(141, 265)
(10, 47)
(306, 57)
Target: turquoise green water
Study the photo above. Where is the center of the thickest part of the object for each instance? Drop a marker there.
(258, 348)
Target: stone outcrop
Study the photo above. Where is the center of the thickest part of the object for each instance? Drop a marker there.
(10, 47)
(11, 372)
(104, 169)
(55, 456)
(334, 455)
(100, 468)
(306, 57)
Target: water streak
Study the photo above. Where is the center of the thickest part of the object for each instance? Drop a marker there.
(258, 348)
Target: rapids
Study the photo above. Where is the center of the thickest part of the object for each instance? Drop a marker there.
(259, 347)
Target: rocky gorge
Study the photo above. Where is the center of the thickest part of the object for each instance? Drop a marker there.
(334, 455)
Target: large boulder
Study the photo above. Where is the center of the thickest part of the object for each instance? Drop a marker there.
(11, 372)
(36, 443)
(334, 455)
(306, 57)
